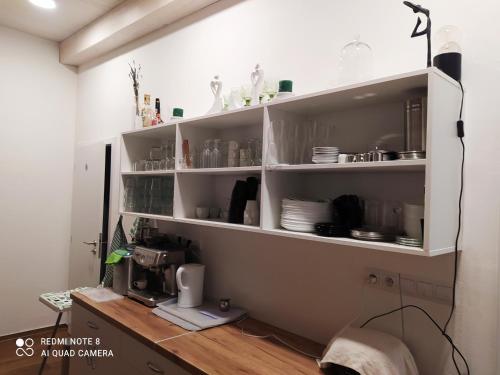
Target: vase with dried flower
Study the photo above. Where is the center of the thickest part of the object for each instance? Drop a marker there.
(135, 76)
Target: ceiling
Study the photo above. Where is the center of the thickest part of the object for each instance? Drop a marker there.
(55, 24)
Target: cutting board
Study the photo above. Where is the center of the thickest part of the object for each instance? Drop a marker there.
(197, 318)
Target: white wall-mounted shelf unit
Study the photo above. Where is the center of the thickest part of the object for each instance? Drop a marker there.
(358, 121)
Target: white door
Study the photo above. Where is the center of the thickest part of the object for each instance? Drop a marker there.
(87, 213)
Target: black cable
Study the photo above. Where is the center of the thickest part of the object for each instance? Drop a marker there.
(448, 338)
(460, 134)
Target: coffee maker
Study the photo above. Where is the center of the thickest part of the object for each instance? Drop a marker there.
(152, 274)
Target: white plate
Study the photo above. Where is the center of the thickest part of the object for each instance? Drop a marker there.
(325, 161)
(295, 229)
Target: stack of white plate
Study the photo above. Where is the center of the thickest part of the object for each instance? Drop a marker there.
(300, 215)
(409, 241)
(324, 155)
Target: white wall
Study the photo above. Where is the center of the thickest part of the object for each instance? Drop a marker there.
(314, 289)
(37, 120)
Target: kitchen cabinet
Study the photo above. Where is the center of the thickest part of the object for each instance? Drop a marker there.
(361, 114)
(130, 357)
(149, 345)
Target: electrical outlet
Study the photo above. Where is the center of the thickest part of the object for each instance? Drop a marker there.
(410, 285)
(390, 280)
(373, 277)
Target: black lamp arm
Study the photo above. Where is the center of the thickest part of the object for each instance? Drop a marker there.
(426, 31)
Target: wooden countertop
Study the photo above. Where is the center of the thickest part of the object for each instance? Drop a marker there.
(219, 350)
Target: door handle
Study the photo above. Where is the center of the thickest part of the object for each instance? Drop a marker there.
(154, 368)
(93, 243)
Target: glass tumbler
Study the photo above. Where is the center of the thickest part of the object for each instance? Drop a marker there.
(155, 195)
(148, 165)
(215, 155)
(130, 194)
(170, 154)
(139, 165)
(206, 154)
(251, 151)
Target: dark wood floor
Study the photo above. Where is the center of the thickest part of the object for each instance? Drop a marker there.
(11, 364)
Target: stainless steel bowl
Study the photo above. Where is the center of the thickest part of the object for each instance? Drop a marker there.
(411, 155)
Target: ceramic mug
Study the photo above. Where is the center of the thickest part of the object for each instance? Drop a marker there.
(140, 284)
(189, 279)
(251, 215)
(202, 212)
(413, 215)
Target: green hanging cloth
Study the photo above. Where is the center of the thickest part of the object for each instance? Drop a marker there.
(119, 242)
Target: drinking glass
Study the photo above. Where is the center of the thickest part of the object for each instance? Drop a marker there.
(244, 159)
(251, 151)
(142, 194)
(148, 165)
(373, 213)
(270, 88)
(167, 194)
(170, 154)
(139, 165)
(129, 194)
(206, 154)
(164, 163)
(258, 152)
(215, 155)
(154, 195)
(155, 153)
(224, 150)
(246, 95)
(233, 154)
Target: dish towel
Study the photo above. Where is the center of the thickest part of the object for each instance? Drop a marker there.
(119, 241)
(369, 352)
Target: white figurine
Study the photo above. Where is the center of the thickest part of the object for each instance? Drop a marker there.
(257, 78)
(216, 86)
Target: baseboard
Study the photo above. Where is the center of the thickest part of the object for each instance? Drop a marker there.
(32, 332)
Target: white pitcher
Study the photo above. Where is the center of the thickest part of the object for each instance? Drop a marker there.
(190, 285)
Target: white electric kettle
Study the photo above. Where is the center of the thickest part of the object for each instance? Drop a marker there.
(189, 279)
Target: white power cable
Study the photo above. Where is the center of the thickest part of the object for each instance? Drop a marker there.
(277, 338)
